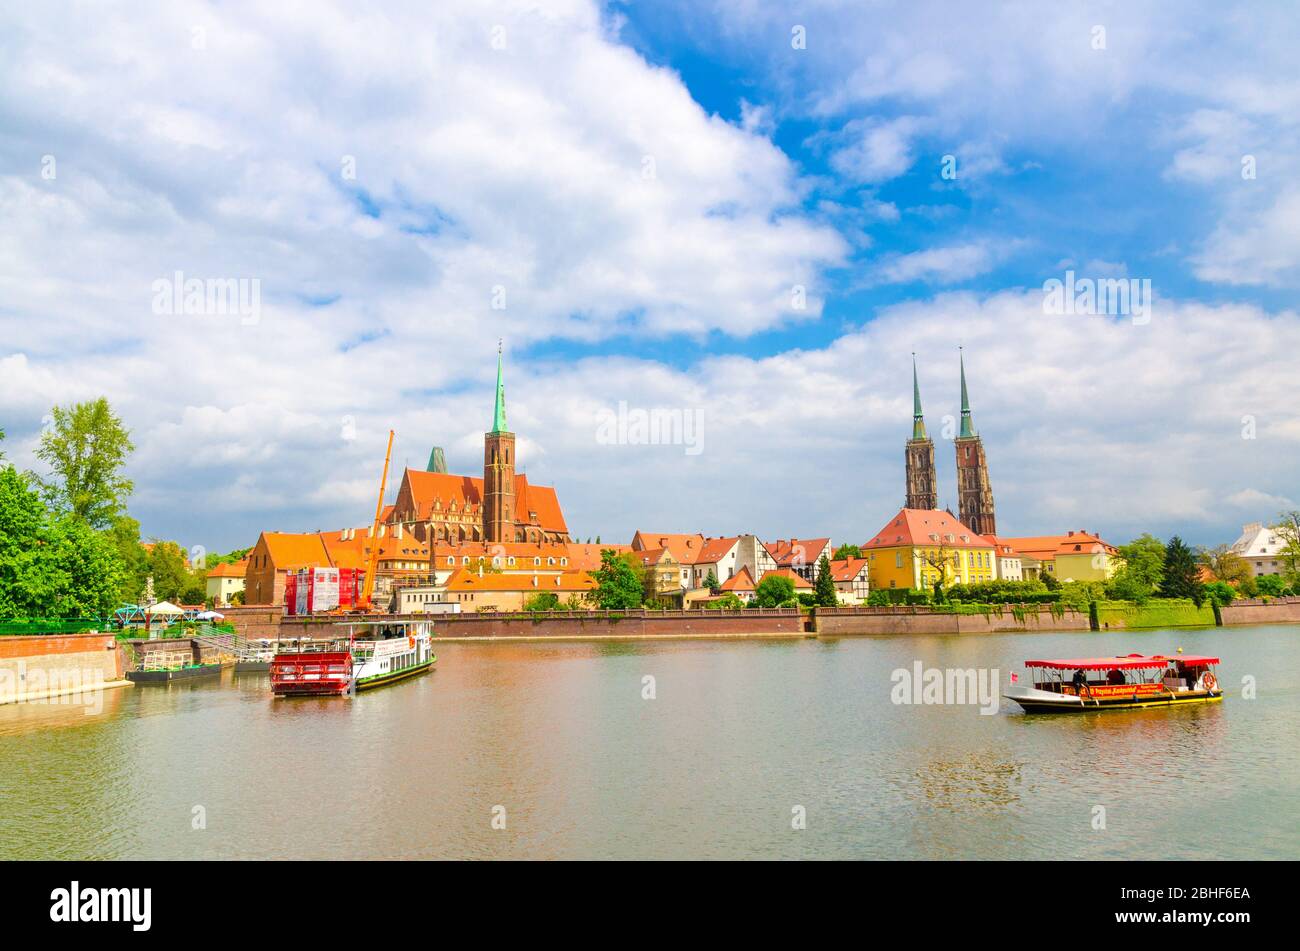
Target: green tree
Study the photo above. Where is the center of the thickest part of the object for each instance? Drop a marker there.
(618, 582)
(1270, 586)
(51, 565)
(1143, 559)
(543, 601)
(711, 582)
(824, 590)
(1225, 564)
(85, 449)
(1182, 574)
(1220, 592)
(773, 591)
(848, 551)
(1288, 527)
(167, 567)
(727, 602)
(125, 536)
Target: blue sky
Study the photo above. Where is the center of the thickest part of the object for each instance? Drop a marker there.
(408, 187)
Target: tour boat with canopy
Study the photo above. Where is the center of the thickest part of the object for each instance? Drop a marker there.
(387, 652)
(1074, 685)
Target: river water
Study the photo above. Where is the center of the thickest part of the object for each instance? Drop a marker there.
(742, 741)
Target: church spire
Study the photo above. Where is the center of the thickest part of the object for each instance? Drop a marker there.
(437, 460)
(499, 419)
(967, 427)
(918, 420)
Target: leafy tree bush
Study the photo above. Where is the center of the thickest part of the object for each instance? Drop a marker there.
(543, 601)
(618, 582)
(52, 564)
(86, 448)
(847, 551)
(773, 591)
(1220, 592)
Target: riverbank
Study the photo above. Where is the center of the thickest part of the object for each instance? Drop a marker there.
(790, 622)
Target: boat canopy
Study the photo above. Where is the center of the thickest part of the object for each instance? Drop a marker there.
(1131, 662)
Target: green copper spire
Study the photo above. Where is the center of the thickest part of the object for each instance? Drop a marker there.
(499, 420)
(918, 420)
(437, 461)
(967, 427)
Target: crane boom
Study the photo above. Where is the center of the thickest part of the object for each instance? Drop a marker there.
(368, 586)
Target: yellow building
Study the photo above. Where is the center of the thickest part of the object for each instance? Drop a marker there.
(1074, 556)
(919, 547)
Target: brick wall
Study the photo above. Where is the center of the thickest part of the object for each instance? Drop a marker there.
(255, 620)
(904, 619)
(56, 659)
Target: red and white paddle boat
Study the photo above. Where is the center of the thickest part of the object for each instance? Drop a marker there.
(1076, 685)
(387, 652)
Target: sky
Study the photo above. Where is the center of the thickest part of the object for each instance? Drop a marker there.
(743, 216)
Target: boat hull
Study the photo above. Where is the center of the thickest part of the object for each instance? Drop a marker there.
(1043, 701)
(383, 680)
(170, 676)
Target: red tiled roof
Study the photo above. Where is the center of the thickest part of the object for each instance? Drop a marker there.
(466, 492)
(926, 527)
(803, 551)
(1049, 546)
(685, 548)
(742, 580)
(846, 569)
(468, 579)
(288, 551)
(587, 557)
(229, 570)
(715, 549)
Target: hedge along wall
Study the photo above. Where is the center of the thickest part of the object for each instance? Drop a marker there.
(1155, 613)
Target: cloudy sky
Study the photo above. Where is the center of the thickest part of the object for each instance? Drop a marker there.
(747, 213)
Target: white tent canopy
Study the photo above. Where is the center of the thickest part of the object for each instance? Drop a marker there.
(163, 607)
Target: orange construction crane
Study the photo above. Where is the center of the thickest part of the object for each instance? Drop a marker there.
(368, 586)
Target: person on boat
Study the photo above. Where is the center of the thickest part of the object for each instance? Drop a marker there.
(1080, 682)
(1115, 677)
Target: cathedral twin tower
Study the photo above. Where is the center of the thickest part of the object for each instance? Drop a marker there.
(974, 493)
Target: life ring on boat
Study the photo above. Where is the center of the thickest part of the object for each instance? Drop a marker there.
(1208, 682)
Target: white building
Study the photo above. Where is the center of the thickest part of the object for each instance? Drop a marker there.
(1260, 547)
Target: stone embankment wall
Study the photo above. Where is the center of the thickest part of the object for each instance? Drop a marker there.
(778, 622)
(1259, 611)
(905, 619)
(50, 665)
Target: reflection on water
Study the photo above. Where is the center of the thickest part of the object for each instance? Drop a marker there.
(981, 780)
(740, 735)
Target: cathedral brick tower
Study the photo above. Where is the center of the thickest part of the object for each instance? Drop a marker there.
(499, 472)
(922, 487)
(974, 492)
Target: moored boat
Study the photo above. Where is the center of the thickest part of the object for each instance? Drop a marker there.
(1076, 685)
(389, 651)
